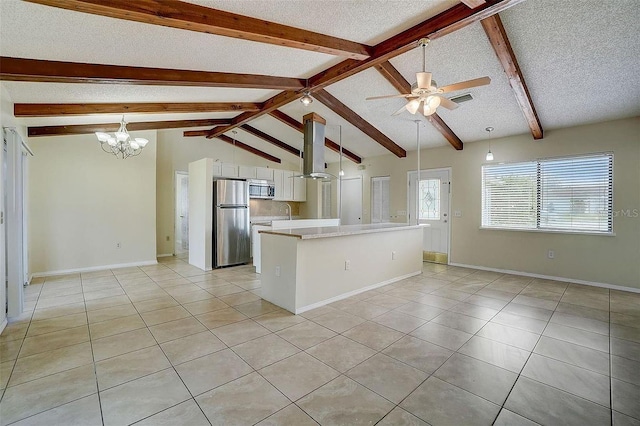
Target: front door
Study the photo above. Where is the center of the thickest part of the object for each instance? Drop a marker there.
(429, 204)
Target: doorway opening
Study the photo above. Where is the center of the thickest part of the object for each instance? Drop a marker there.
(181, 220)
(429, 204)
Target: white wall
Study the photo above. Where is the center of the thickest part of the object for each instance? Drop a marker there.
(175, 152)
(83, 201)
(600, 259)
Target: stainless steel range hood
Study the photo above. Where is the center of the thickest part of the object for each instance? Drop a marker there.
(313, 162)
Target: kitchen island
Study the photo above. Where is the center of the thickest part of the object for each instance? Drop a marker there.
(306, 268)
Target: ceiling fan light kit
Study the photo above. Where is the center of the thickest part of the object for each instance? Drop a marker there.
(425, 96)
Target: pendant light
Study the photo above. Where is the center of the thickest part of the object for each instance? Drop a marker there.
(489, 156)
(306, 99)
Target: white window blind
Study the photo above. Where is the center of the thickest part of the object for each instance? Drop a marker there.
(509, 195)
(380, 199)
(576, 193)
(561, 194)
(326, 200)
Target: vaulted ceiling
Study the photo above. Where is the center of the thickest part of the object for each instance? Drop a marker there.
(552, 64)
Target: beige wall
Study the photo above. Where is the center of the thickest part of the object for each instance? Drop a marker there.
(601, 259)
(83, 201)
(175, 152)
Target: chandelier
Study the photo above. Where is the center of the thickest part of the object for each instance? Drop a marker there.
(121, 144)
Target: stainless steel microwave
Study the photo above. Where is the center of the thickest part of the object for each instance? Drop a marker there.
(264, 189)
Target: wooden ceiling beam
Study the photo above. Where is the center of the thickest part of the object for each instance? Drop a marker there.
(249, 148)
(262, 135)
(401, 84)
(345, 112)
(272, 104)
(500, 43)
(81, 129)
(452, 19)
(437, 122)
(472, 4)
(192, 17)
(194, 133)
(56, 110)
(295, 124)
(19, 69)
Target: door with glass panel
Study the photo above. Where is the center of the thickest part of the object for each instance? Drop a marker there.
(429, 204)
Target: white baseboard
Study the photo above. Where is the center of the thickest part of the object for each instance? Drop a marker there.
(3, 325)
(354, 292)
(550, 277)
(164, 255)
(93, 268)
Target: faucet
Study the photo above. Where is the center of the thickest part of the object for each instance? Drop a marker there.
(287, 204)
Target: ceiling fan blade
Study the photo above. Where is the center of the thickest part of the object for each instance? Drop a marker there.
(412, 106)
(404, 95)
(448, 103)
(423, 79)
(482, 81)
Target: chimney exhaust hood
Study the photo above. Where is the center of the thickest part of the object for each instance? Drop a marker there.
(313, 161)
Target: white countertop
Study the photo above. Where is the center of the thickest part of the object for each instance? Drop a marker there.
(340, 231)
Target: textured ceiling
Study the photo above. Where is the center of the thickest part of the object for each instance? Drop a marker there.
(580, 59)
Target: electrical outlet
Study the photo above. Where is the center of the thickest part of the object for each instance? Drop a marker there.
(393, 255)
(118, 245)
(402, 213)
(457, 213)
(551, 254)
(277, 271)
(347, 265)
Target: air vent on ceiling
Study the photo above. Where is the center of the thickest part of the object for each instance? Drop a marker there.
(462, 98)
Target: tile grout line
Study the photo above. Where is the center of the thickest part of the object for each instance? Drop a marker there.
(95, 367)
(341, 334)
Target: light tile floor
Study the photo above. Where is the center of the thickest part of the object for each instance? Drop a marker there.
(169, 344)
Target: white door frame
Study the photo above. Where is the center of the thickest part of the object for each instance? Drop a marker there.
(175, 206)
(15, 225)
(414, 214)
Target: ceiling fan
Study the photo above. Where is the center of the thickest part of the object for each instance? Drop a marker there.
(426, 94)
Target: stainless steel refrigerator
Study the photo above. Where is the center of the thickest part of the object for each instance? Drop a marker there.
(231, 229)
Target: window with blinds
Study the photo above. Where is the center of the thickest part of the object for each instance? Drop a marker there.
(572, 194)
(380, 200)
(326, 200)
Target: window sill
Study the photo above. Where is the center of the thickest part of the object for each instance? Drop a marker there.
(550, 231)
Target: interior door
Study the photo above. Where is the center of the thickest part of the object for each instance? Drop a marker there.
(351, 198)
(429, 204)
(181, 238)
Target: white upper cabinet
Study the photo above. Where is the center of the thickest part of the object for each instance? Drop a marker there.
(264, 173)
(247, 172)
(278, 180)
(299, 189)
(288, 185)
(229, 170)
